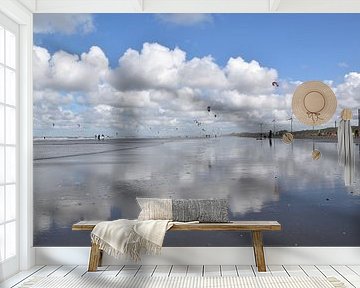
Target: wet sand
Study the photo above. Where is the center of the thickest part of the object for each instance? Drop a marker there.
(89, 179)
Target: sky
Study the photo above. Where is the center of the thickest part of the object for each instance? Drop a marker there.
(154, 75)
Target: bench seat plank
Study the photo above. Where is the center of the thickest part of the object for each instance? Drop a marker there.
(231, 226)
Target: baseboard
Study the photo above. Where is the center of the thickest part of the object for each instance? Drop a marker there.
(210, 256)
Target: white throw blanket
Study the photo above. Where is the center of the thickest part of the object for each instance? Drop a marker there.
(130, 237)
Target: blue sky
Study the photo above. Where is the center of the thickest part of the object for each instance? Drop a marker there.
(298, 47)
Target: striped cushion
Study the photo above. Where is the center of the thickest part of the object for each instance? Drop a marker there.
(184, 210)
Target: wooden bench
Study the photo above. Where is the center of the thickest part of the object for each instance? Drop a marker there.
(255, 227)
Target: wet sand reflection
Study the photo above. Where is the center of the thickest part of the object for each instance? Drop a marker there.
(261, 180)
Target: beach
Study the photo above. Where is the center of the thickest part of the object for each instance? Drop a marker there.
(263, 180)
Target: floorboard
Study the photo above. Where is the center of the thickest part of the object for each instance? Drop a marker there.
(129, 270)
(20, 277)
(294, 270)
(162, 271)
(62, 271)
(245, 271)
(278, 270)
(328, 271)
(355, 268)
(178, 270)
(212, 270)
(46, 271)
(78, 271)
(97, 273)
(229, 270)
(195, 271)
(146, 271)
(348, 274)
(261, 274)
(311, 271)
(112, 271)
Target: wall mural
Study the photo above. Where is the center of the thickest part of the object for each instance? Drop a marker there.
(193, 106)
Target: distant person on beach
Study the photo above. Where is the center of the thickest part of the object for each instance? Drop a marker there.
(95, 136)
(270, 134)
(102, 137)
(98, 137)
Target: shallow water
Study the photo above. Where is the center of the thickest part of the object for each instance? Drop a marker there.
(88, 179)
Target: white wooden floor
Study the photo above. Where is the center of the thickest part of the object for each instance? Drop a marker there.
(350, 274)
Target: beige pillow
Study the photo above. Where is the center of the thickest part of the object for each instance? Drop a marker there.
(184, 210)
(155, 209)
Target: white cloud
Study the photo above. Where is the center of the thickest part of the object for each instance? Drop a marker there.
(155, 85)
(52, 97)
(202, 73)
(63, 23)
(250, 77)
(48, 116)
(185, 19)
(41, 61)
(348, 92)
(155, 66)
(64, 71)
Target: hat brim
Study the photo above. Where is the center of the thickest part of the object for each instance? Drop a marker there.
(309, 117)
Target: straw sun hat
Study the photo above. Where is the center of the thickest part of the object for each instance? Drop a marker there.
(346, 114)
(288, 138)
(313, 103)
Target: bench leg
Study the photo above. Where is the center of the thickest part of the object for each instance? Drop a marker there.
(95, 257)
(255, 256)
(258, 250)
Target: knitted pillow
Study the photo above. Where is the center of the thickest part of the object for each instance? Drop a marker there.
(155, 209)
(184, 210)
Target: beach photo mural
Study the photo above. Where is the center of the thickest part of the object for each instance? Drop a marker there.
(193, 106)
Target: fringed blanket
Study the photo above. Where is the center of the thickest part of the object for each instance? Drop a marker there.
(130, 237)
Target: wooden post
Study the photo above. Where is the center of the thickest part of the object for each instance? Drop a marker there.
(100, 258)
(258, 250)
(253, 244)
(95, 257)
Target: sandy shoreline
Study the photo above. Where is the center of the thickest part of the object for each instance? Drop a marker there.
(316, 139)
(61, 148)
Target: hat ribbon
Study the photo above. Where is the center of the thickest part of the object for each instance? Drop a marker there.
(315, 116)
